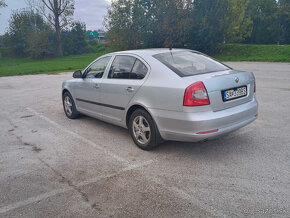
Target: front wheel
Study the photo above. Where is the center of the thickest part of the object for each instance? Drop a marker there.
(69, 106)
(143, 130)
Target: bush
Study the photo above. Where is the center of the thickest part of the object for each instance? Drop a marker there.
(6, 52)
(95, 47)
(73, 41)
(40, 44)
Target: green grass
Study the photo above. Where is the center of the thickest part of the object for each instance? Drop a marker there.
(231, 52)
(246, 52)
(22, 66)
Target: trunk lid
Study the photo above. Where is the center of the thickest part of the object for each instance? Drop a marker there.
(218, 82)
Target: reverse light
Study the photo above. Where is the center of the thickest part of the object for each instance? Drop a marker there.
(196, 95)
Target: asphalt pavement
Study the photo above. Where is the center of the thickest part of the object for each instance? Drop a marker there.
(55, 167)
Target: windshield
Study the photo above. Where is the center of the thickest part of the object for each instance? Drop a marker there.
(187, 63)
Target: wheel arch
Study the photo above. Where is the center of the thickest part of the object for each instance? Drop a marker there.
(135, 107)
(130, 111)
(64, 91)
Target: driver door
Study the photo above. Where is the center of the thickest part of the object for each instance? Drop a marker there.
(88, 89)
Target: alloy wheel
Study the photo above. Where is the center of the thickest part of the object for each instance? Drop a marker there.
(68, 105)
(141, 130)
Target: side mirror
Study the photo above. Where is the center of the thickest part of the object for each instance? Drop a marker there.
(78, 74)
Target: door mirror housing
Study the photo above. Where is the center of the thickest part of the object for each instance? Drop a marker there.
(78, 74)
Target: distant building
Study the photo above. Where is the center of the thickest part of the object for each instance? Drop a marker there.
(101, 37)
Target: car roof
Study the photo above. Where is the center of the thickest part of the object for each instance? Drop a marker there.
(149, 51)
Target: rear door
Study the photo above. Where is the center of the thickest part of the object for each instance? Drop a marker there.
(127, 73)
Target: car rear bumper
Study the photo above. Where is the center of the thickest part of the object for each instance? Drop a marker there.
(188, 126)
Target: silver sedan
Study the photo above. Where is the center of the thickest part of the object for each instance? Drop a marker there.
(163, 94)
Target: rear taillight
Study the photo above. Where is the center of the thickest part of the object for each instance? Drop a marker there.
(196, 95)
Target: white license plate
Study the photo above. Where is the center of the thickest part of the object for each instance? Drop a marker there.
(234, 93)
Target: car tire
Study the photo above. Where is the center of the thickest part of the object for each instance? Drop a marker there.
(69, 106)
(143, 130)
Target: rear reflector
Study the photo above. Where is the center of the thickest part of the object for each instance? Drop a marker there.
(207, 132)
(196, 95)
(254, 84)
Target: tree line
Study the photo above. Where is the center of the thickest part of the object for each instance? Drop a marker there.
(203, 25)
(47, 29)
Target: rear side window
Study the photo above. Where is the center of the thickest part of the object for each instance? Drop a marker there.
(139, 70)
(186, 63)
(127, 67)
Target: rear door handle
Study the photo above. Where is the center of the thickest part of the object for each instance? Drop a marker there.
(129, 89)
(97, 86)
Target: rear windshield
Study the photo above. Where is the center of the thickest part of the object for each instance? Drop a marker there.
(187, 63)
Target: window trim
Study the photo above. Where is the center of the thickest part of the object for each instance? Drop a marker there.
(132, 56)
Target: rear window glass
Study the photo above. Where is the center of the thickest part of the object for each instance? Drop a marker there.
(188, 63)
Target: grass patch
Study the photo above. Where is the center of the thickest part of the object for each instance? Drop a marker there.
(246, 52)
(230, 52)
(22, 66)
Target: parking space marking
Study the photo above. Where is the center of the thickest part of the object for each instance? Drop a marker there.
(86, 141)
(31, 200)
(43, 196)
(174, 190)
(178, 192)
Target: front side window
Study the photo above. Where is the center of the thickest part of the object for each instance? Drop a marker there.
(186, 63)
(96, 70)
(127, 67)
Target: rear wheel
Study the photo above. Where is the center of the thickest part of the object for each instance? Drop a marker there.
(143, 130)
(69, 106)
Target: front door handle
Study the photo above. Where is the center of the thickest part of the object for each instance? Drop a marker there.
(129, 89)
(97, 86)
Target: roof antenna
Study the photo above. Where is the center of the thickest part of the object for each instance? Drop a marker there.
(171, 50)
(171, 46)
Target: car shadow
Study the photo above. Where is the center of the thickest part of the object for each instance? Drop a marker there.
(235, 142)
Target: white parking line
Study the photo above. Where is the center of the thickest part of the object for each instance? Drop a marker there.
(174, 190)
(178, 192)
(40, 197)
(86, 141)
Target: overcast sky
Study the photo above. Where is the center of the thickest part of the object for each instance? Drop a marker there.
(91, 12)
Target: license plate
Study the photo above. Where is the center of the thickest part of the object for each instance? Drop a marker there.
(234, 93)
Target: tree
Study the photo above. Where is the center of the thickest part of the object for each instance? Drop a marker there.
(146, 23)
(264, 15)
(58, 13)
(74, 39)
(28, 34)
(21, 25)
(284, 21)
(40, 43)
(2, 3)
(207, 24)
(239, 23)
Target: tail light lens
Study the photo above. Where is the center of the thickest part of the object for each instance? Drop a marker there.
(196, 95)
